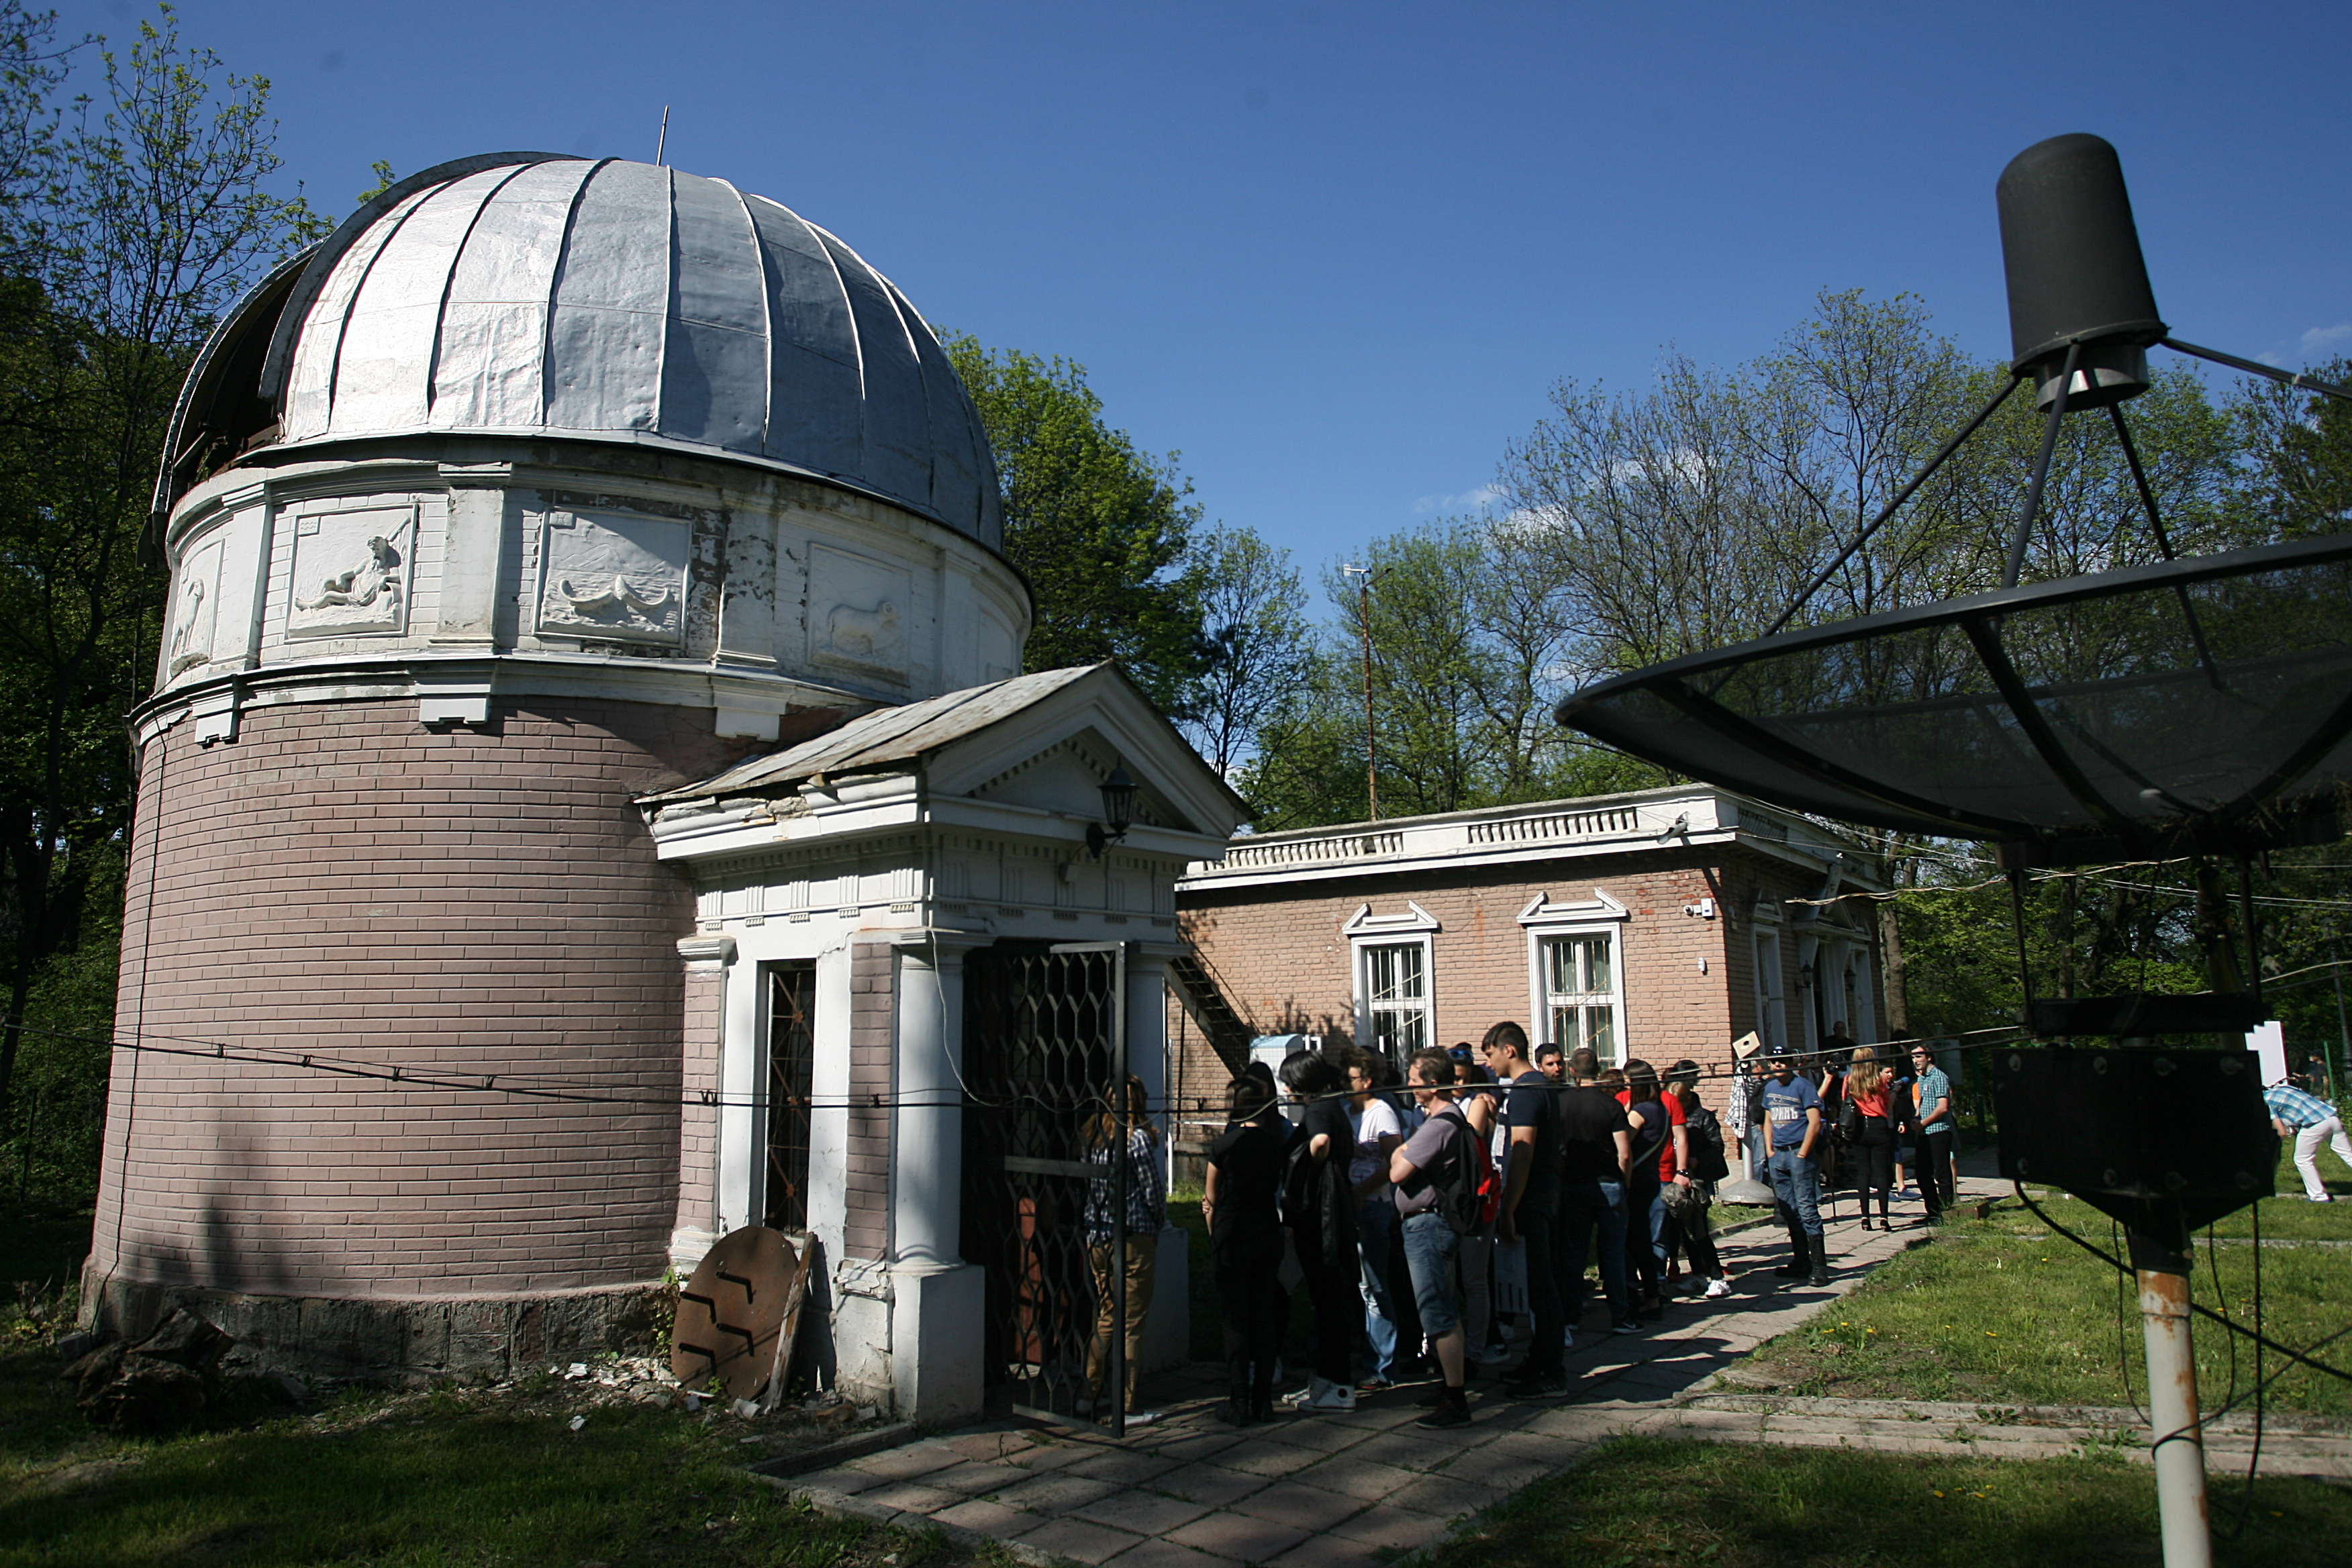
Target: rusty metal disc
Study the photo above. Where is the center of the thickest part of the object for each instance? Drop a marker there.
(730, 1311)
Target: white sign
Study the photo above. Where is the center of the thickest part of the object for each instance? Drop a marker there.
(2268, 1041)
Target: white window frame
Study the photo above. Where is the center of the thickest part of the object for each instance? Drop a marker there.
(1414, 926)
(1544, 921)
(1772, 1002)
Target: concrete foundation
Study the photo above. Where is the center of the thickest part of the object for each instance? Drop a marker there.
(395, 1341)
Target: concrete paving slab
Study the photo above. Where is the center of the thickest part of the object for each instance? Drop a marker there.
(1143, 1512)
(1211, 1484)
(1383, 1525)
(988, 1518)
(1057, 1493)
(1079, 1541)
(1118, 1465)
(1309, 1507)
(1164, 1554)
(911, 1497)
(1366, 1478)
(1238, 1537)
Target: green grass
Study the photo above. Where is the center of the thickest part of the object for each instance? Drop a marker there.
(2001, 1311)
(1644, 1503)
(415, 1482)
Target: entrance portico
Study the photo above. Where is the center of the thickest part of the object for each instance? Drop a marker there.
(867, 867)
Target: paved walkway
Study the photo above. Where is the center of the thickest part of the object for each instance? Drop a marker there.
(1190, 1490)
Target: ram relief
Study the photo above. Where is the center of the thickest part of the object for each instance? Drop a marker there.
(858, 613)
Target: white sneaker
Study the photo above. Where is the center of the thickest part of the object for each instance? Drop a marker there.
(1717, 1289)
(1298, 1396)
(2324, 1198)
(1331, 1398)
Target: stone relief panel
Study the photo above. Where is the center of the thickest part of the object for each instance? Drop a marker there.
(195, 611)
(858, 611)
(614, 577)
(350, 572)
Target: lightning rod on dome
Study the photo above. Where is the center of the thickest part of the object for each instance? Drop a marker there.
(661, 142)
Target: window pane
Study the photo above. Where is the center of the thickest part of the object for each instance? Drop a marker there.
(1596, 963)
(1380, 966)
(1409, 976)
(1560, 967)
(1601, 1032)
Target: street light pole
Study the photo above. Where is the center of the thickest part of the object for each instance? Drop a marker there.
(1372, 740)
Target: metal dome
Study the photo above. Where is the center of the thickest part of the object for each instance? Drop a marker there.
(526, 294)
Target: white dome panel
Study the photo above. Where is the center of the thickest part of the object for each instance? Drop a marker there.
(564, 296)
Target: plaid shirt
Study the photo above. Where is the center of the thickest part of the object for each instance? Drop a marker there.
(1147, 1191)
(2296, 1108)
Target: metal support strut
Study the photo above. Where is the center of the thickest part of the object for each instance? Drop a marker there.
(2175, 1431)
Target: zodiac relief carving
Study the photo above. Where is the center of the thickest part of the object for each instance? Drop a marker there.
(857, 610)
(351, 573)
(868, 634)
(372, 579)
(614, 576)
(192, 626)
(621, 595)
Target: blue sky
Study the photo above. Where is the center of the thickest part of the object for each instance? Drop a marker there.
(1338, 254)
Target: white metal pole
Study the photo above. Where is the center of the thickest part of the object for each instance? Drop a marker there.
(2174, 1429)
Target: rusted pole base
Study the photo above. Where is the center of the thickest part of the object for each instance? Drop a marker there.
(2174, 1430)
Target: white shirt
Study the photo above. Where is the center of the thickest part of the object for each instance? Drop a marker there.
(1377, 1120)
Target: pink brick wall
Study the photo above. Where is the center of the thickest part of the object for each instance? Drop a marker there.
(698, 1141)
(1284, 962)
(866, 1230)
(341, 880)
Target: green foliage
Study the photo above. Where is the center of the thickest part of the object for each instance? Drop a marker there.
(1259, 652)
(2300, 446)
(131, 222)
(1100, 530)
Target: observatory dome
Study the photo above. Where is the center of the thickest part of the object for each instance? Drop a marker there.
(610, 301)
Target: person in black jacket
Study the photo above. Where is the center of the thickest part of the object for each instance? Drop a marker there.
(1319, 1207)
(1875, 1119)
(1241, 1206)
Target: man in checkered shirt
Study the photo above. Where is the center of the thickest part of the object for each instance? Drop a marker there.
(2312, 1121)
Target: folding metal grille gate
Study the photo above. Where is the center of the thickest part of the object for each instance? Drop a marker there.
(792, 1069)
(1044, 1039)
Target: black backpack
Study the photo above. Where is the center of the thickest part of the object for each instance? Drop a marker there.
(1466, 1188)
(1708, 1152)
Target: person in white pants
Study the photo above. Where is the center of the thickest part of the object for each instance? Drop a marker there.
(2312, 1121)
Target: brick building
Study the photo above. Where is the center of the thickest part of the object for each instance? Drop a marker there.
(459, 1010)
(1661, 924)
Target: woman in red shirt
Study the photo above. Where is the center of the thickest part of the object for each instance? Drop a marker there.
(1870, 1090)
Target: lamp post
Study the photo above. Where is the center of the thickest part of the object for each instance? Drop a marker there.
(1371, 741)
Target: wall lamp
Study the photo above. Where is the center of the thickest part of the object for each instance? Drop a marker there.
(1118, 811)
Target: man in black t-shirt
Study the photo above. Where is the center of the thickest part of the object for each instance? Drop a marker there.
(1530, 1198)
(1596, 1144)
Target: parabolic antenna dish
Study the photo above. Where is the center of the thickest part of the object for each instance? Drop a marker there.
(2192, 706)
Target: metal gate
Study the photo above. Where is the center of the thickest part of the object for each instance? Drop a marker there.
(1045, 1039)
(791, 1073)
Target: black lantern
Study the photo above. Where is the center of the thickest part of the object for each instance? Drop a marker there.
(1118, 811)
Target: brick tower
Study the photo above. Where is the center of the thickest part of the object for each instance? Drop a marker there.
(543, 484)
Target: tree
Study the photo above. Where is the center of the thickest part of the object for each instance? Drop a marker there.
(1100, 530)
(2299, 444)
(142, 220)
(1259, 644)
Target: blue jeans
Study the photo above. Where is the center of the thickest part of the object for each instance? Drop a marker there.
(1587, 1208)
(1429, 1244)
(1376, 1229)
(1798, 1188)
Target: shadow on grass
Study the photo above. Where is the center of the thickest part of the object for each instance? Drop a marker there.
(1646, 1504)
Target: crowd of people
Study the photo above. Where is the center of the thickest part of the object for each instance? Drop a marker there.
(1454, 1223)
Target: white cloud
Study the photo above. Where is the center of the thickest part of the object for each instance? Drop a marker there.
(1475, 500)
(2326, 342)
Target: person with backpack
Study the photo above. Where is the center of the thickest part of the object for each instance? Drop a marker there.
(1597, 1145)
(1437, 1177)
(1530, 1199)
(1709, 1163)
(1241, 1206)
(1661, 1156)
(1318, 1207)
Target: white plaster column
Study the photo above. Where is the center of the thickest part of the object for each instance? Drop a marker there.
(937, 1330)
(1167, 1331)
(702, 1039)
